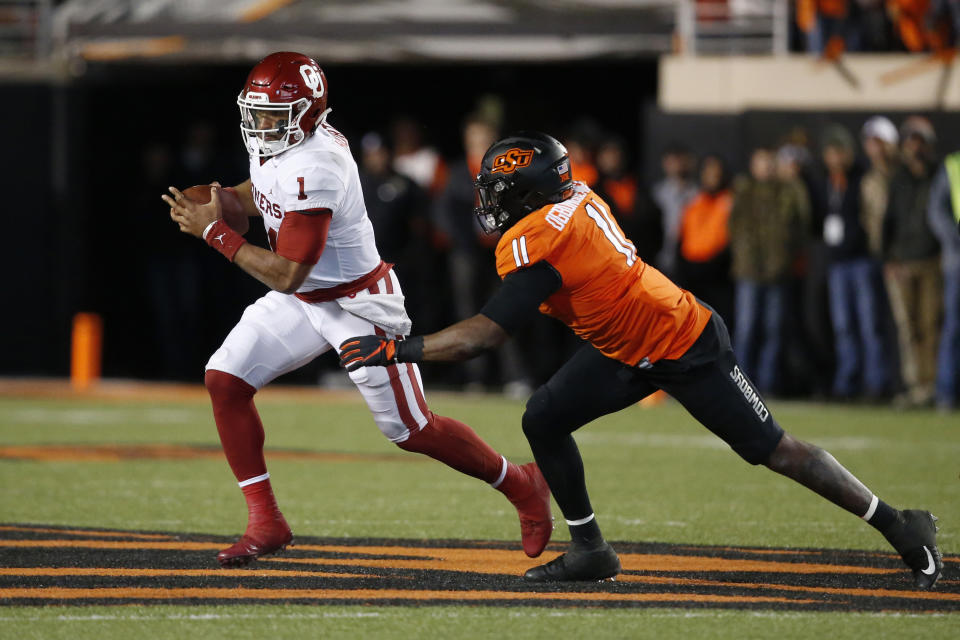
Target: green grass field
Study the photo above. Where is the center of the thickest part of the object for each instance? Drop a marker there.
(654, 475)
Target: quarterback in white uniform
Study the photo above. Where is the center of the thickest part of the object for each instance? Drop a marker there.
(328, 283)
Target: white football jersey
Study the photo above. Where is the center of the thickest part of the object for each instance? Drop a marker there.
(320, 173)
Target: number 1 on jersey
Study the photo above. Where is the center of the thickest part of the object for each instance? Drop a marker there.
(611, 230)
(302, 195)
(520, 255)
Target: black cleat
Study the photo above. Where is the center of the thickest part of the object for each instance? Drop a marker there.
(580, 562)
(914, 536)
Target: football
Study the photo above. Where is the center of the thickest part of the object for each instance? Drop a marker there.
(230, 205)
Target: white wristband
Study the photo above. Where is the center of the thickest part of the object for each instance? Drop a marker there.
(209, 226)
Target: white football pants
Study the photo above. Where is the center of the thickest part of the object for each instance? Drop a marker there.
(279, 333)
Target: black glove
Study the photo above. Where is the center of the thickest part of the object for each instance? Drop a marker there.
(377, 351)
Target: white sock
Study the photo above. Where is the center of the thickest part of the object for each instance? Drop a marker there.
(503, 474)
(577, 523)
(254, 480)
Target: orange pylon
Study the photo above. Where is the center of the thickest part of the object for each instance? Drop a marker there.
(85, 350)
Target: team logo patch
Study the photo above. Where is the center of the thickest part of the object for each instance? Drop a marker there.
(313, 79)
(511, 160)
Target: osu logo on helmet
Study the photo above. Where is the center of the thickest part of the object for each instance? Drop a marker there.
(511, 160)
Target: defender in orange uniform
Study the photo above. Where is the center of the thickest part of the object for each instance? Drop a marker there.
(561, 252)
(633, 313)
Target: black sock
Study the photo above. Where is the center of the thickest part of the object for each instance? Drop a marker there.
(587, 533)
(884, 516)
(559, 461)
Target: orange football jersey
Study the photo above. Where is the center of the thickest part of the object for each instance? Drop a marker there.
(609, 297)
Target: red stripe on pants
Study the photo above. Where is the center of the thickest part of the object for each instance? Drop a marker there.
(393, 371)
(417, 391)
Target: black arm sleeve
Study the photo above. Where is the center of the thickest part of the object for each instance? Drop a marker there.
(520, 295)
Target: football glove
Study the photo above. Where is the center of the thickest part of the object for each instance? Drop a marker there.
(378, 351)
(367, 351)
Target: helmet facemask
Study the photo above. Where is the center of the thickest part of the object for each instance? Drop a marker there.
(269, 128)
(496, 214)
(490, 214)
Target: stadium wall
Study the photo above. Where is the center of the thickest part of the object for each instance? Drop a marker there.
(732, 84)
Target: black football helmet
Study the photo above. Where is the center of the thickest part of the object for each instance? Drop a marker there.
(520, 174)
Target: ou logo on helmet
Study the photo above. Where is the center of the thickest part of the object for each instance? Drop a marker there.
(511, 160)
(313, 80)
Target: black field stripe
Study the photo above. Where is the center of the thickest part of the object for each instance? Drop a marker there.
(44, 565)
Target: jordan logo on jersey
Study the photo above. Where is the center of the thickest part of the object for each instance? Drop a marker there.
(264, 204)
(511, 160)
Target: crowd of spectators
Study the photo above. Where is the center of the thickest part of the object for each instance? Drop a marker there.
(833, 26)
(839, 278)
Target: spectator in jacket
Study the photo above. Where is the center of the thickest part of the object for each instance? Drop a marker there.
(880, 139)
(398, 209)
(853, 277)
(582, 166)
(924, 25)
(418, 161)
(767, 231)
(629, 200)
(943, 213)
(615, 183)
(806, 355)
(672, 194)
(912, 268)
(831, 25)
(703, 265)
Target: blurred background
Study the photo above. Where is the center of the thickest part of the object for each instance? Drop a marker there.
(789, 161)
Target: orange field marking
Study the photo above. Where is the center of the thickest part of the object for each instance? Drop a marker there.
(146, 569)
(241, 593)
(487, 561)
(786, 552)
(642, 562)
(509, 562)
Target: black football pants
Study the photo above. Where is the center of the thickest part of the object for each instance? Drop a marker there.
(706, 380)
